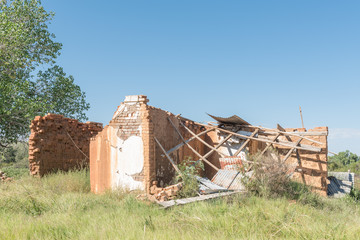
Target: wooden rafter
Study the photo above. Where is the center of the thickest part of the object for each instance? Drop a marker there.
(265, 139)
(189, 140)
(291, 151)
(294, 134)
(246, 143)
(205, 143)
(217, 146)
(191, 148)
(269, 144)
(168, 157)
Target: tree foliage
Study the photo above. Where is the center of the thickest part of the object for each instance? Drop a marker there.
(26, 45)
(344, 161)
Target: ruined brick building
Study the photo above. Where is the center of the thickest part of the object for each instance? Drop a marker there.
(142, 143)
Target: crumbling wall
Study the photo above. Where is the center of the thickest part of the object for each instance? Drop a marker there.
(307, 167)
(59, 143)
(117, 153)
(310, 167)
(125, 154)
(169, 138)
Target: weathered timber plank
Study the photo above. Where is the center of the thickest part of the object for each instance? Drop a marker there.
(270, 144)
(198, 138)
(168, 157)
(189, 140)
(183, 201)
(264, 139)
(246, 142)
(191, 148)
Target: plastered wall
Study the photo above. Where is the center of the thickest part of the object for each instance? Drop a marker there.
(125, 154)
(59, 143)
(117, 153)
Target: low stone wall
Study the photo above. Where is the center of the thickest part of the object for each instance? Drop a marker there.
(59, 143)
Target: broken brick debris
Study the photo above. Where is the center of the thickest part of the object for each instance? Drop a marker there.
(163, 194)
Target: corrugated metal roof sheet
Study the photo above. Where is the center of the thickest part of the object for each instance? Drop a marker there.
(338, 188)
(346, 176)
(229, 179)
(230, 120)
(206, 186)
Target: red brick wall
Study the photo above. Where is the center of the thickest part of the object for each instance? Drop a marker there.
(160, 168)
(311, 167)
(51, 148)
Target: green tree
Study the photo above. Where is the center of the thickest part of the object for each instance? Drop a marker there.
(343, 160)
(9, 155)
(25, 45)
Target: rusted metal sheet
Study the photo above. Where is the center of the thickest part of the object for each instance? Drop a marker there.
(231, 163)
(230, 120)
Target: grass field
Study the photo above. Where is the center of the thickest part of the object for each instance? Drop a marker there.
(61, 206)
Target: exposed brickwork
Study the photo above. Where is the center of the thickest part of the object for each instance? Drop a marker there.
(134, 118)
(149, 147)
(162, 129)
(311, 167)
(51, 148)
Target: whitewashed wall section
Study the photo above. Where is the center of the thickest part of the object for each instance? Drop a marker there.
(127, 155)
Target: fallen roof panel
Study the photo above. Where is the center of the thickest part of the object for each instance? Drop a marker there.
(183, 201)
(230, 120)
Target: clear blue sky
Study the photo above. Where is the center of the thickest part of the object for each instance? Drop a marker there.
(257, 59)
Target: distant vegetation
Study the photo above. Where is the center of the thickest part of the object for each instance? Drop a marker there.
(344, 161)
(14, 160)
(31, 82)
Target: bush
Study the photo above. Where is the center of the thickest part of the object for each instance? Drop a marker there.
(15, 172)
(189, 169)
(355, 194)
(15, 153)
(271, 179)
(270, 176)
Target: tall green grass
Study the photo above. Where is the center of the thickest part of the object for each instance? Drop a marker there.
(60, 206)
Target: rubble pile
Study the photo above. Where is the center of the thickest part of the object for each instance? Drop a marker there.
(163, 194)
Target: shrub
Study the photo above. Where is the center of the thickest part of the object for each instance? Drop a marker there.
(355, 194)
(271, 178)
(15, 172)
(189, 169)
